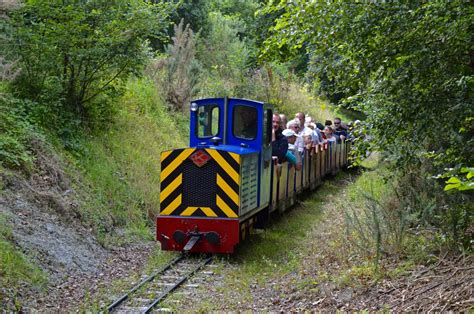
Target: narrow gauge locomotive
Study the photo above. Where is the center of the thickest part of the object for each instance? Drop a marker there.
(225, 183)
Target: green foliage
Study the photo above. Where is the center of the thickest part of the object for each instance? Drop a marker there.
(376, 224)
(408, 67)
(463, 184)
(121, 165)
(396, 218)
(193, 13)
(196, 14)
(224, 55)
(77, 53)
(16, 132)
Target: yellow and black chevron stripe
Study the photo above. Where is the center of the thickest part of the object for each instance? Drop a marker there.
(193, 187)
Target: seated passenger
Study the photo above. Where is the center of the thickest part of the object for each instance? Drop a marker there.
(301, 117)
(319, 131)
(329, 134)
(308, 138)
(293, 156)
(315, 133)
(279, 141)
(339, 131)
(295, 126)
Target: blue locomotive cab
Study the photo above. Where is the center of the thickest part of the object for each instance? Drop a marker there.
(230, 121)
(244, 128)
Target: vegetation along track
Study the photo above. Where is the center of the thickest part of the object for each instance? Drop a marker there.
(153, 289)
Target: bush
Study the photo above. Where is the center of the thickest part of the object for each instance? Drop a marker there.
(15, 133)
(406, 214)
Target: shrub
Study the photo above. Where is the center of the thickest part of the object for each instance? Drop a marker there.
(15, 133)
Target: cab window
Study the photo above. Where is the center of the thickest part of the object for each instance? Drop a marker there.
(245, 124)
(208, 121)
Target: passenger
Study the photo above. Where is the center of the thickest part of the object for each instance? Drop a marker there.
(339, 131)
(308, 139)
(293, 156)
(295, 126)
(328, 123)
(284, 121)
(329, 134)
(316, 135)
(301, 118)
(279, 141)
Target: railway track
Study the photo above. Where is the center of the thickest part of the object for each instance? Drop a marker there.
(145, 296)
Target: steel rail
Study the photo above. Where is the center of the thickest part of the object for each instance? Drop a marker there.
(124, 297)
(176, 285)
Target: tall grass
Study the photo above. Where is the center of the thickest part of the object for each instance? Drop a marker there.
(376, 224)
(389, 218)
(123, 164)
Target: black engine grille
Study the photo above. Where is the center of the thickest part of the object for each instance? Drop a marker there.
(199, 184)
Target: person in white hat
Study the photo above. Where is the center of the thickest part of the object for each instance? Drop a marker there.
(293, 156)
(295, 126)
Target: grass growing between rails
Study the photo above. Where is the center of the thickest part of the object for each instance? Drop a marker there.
(122, 164)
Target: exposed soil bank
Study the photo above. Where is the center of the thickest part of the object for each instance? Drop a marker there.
(42, 211)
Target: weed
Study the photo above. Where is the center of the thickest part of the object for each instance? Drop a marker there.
(178, 74)
(158, 258)
(376, 224)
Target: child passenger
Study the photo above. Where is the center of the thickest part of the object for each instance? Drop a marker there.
(329, 134)
(293, 156)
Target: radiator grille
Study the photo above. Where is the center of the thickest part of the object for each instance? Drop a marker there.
(199, 184)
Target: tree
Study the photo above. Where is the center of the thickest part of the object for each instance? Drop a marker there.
(72, 52)
(409, 66)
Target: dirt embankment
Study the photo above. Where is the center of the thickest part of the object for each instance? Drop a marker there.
(42, 211)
